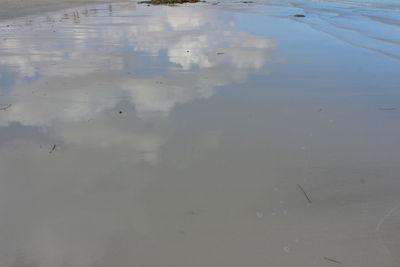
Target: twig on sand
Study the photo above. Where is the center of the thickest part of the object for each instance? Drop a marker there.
(305, 194)
(332, 260)
(5, 107)
(387, 108)
(52, 148)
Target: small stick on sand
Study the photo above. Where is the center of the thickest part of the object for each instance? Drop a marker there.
(5, 107)
(52, 148)
(387, 108)
(304, 192)
(332, 260)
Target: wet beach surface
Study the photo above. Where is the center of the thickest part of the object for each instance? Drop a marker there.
(200, 135)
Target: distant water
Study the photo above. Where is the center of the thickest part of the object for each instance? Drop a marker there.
(371, 3)
(374, 25)
(369, 24)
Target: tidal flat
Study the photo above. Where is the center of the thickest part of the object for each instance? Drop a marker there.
(204, 134)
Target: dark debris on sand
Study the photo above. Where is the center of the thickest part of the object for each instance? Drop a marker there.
(52, 148)
(5, 107)
(332, 260)
(168, 2)
(387, 108)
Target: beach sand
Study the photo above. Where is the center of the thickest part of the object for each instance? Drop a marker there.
(200, 135)
(18, 8)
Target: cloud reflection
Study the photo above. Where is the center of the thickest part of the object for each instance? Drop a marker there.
(71, 210)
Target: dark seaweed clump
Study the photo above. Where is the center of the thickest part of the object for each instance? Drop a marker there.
(168, 2)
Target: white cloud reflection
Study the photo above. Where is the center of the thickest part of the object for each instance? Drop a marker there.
(84, 55)
(80, 76)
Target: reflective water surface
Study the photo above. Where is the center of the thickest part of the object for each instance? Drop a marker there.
(198, 135)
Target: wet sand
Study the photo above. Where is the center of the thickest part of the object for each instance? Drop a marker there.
(200, 135)
(18, 8)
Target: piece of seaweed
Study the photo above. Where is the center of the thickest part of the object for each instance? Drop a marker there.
(168, 2)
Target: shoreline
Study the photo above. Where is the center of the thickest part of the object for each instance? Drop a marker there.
(12, 9)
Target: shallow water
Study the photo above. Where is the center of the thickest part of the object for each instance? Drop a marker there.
(179, 136)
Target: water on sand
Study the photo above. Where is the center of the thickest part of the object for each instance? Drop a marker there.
(203, 135)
